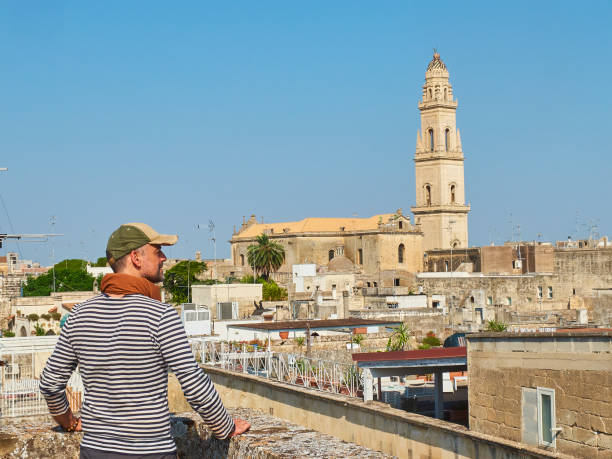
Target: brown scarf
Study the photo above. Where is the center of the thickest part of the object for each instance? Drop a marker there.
(125, 284)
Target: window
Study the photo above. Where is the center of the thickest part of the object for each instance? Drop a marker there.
(242, 259)
(452, 194)
(368, 284)
(360, 256)
(550, 292)
(446, 134)
(509, 301)
(431, 140)
(400, 253)
(396, 282)
(446, 265)
(375, 284)
(428, 194)
(546, 416)
(539, 291)
(399, 224)
(330, 254)
(445, 94)
(489, 300)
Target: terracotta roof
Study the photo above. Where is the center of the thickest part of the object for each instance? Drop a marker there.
(314, 225)
(53, 309)
(2, 259)
(435, 353)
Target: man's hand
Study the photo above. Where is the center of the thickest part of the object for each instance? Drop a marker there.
(67, 420)
(241, 427)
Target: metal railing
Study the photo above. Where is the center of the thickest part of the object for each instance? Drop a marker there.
(22, 397)
(293, 369)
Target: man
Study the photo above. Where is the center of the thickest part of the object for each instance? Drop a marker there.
(124, 341)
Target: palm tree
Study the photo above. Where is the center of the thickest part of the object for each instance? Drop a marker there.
(399, 338)
(265, 256)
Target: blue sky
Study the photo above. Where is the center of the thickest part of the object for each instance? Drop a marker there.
(176, 114)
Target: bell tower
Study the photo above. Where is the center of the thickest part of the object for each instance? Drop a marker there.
(440, 192)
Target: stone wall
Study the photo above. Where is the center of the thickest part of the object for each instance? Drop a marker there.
(373, 425)
(577, 366)
(268, 438)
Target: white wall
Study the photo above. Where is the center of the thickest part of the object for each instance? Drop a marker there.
(408, 301)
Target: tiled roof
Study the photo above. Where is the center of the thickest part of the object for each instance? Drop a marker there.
(314, 225)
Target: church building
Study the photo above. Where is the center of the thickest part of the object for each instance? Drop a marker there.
(387, 246)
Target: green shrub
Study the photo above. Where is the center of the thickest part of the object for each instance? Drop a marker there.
(8, 334)
(45, 316)
(39, 330)
(431, 339)
(56, 316)
(33, 317)
(357, 339)
(495, 326)
(424, 346)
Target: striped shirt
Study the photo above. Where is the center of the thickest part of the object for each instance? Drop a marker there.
(124, 348)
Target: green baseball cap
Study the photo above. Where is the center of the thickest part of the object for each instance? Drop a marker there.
(131, 236)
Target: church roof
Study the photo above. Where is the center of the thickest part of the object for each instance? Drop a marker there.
(314, 225)
(436, 63)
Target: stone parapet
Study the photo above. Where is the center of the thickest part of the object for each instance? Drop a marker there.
(269, 437)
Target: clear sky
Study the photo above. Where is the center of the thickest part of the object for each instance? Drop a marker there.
(177, 113)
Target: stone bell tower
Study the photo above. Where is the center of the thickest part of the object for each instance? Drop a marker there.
(440, 191)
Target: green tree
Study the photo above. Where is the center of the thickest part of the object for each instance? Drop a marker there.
(100, 262)
(265, 255)
(66, 280)
(399, 338)
(180, 276)
(71, 264)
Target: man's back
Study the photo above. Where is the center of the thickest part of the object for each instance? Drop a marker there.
(123, 347)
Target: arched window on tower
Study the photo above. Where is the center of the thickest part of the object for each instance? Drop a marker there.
(428, 194)
(400, 253)
(330, 254)
(445, 94)
(447, 139)
(430, 94)
(242, 259)
(431, 140)
(452, 194)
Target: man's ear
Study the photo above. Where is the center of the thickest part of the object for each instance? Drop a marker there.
(135, 259)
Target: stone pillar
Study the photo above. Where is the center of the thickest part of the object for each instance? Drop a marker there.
(342, 310)
(368, 381)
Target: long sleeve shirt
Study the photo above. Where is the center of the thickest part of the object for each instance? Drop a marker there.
(124, 348)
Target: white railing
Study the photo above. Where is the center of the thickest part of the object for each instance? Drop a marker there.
(22, 397)
(293, 369)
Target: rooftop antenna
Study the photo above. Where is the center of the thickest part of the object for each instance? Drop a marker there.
(211, 229)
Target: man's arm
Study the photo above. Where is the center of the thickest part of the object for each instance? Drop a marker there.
(55, 376)
(197, 387)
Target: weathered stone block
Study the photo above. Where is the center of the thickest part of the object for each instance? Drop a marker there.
(566, 417)
(584, 436)
(604, 441)
(576, 449)
(512, 420)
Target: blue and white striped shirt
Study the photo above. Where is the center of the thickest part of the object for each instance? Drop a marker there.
(124, 348)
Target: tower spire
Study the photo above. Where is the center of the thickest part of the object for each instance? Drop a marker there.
(440, 195)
